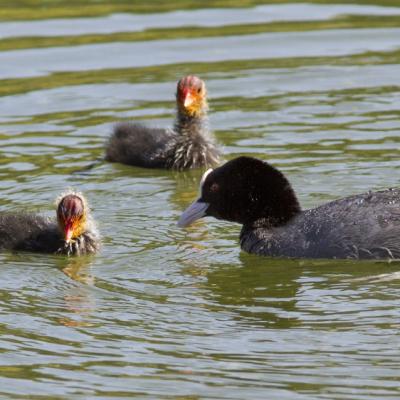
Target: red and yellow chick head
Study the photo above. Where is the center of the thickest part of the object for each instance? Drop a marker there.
(191, 96)
(71, 216)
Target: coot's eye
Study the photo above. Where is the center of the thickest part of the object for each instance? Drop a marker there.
(214, 187)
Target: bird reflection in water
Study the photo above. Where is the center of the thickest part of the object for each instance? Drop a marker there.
(79, 300)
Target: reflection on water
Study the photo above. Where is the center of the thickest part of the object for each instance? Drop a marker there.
(204, 18)
(77, 268)
(162, 312)
(79, 302)
(163, 52)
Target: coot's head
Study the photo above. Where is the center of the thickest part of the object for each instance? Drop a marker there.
(244, 190)
(72, 212)
(191, 96)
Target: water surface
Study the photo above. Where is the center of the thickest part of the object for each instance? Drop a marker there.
(168, 313)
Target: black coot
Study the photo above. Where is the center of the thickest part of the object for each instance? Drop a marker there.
(258, 196)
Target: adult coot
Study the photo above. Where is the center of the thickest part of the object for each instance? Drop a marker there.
(72, 233)
(188, 145)
(258, 196)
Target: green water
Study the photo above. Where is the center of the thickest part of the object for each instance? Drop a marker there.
(314, 88)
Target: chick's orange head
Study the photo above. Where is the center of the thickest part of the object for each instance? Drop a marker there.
(191, 95)
(71, 215)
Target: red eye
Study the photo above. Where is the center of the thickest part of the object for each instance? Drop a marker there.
(214, 187)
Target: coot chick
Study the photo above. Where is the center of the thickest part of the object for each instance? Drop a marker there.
(188, 145)
(73, 232)
(258, 196)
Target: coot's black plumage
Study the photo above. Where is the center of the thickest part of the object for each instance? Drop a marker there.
(189, 145)
(72, 233)
(258, 196)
